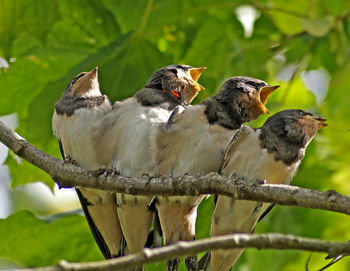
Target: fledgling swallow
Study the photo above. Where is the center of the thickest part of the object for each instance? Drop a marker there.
(80, 106)
(272, 153)
(194, 142)
(122, 140)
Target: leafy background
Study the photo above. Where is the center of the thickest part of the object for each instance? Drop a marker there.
(301, 45)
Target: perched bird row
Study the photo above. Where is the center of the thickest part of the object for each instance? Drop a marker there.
(156, 132)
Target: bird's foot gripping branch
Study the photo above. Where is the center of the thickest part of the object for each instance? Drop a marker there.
(69, 175)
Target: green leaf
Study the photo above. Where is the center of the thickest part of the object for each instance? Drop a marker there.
(336, 110)
(295, 95)
(124, 10)
(297, 49)
(287, 14)
(23, 172)
(20, 84)
(214, 46)
(33, 242)
(335, 7)
(28, 17)
(203, 221)
(151, 18)
(265, 29)
(25, 45)
(318, 27)
(187, 14)
(130, 69)
(92, 18)
(322, 56)
(68, 36)
(287, 23)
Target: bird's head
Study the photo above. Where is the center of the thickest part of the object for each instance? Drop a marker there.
(297, 126)
(246, 96)
(178, 81)
(84, 84)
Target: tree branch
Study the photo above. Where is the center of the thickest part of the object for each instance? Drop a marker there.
(69, 175)
(180, 249)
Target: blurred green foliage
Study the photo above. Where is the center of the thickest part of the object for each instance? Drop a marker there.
(47, 42)
(34, 242)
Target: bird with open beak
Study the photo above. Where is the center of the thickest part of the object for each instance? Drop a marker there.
(194, 141)
(122, 140)
(272, 153)
(76, 113)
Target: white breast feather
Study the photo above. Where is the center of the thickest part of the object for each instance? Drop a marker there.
(75, 133)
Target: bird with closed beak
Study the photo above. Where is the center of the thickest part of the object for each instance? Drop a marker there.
(193, 141)
(122, 140)
(75, 115)
(272, 153)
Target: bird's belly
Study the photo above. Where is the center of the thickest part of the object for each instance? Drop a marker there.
(263, 166)
(75, 134)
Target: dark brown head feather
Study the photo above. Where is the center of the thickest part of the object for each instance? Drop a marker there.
(284, 136)
(232, 105)
(166, 87)
(160, 78)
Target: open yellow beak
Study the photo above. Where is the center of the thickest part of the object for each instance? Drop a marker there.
(195, 73)
(265, 92)
(262, 108)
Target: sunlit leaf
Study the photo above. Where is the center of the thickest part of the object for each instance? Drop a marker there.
(23, 172)
(135, 64)
(30, 17)
(287, 23)
(317, 27)
(215, 46)
(124, 10)
(93, 19)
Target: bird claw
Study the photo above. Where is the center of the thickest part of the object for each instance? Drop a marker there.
(204, 261)
(112, 171)
(145, 175)
(331, 193)
(104, 171)
(69, 160)
(159, 175)
(172, 265)
(191, 263)
(260, 182)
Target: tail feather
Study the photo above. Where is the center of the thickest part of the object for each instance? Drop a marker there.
(95, 232)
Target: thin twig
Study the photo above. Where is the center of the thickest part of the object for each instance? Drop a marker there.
(180, 249)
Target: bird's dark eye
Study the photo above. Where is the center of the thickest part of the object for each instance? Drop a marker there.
(174, 70)
(301, 113)
(80, 75)
(250, 83)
